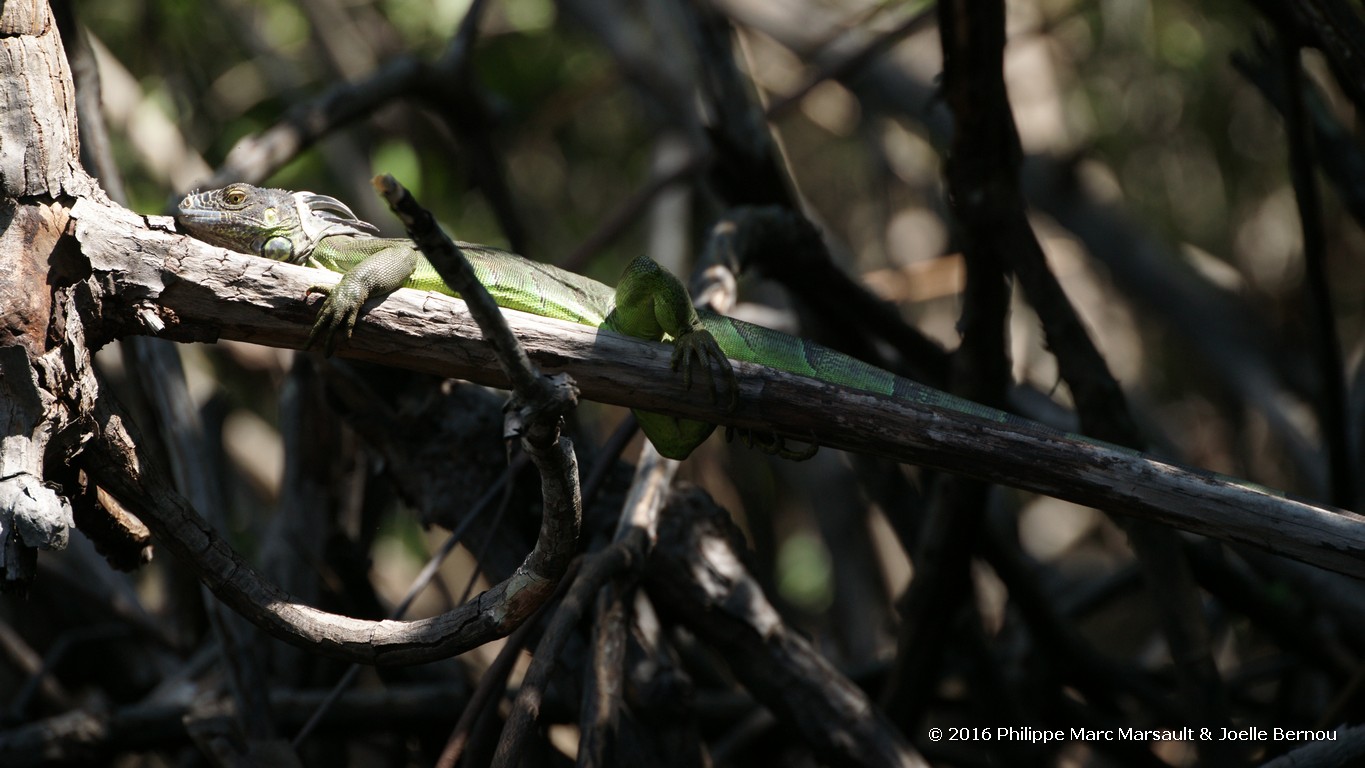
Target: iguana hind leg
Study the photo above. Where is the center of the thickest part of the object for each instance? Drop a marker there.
(651, 303)
(673, 437)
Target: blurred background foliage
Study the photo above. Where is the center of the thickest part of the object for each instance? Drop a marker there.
(1143, 91)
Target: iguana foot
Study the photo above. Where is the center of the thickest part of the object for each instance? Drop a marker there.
(700, 346)
(336, 317)
(771, 444)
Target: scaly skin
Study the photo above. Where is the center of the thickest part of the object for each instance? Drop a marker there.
(648, 303)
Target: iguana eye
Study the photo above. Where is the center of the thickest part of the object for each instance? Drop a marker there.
(235, 197)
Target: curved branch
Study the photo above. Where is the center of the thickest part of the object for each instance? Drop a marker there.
(135, 478)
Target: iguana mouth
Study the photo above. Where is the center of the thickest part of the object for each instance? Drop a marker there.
(194, 207)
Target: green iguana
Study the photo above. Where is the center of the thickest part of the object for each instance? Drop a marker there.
(648, 303)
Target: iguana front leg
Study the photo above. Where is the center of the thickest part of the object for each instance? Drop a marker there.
(653, 304)
(380, 273)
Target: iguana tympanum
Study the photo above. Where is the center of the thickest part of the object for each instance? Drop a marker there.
(648, 303)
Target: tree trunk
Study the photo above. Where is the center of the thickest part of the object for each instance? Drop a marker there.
(44, 363)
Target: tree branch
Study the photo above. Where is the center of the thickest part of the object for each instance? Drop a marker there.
(201, 293)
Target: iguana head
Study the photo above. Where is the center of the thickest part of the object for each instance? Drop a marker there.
(274, 223)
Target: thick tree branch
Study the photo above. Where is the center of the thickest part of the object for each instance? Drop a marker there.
(201, 293)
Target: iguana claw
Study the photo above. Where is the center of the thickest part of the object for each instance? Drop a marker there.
(336, 317)
(701, 346)
(771, 444)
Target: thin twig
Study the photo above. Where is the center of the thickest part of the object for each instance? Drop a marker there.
(1322, 330)
(419, 583)
(595, 572)
(494, 679)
